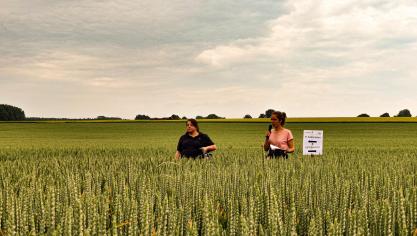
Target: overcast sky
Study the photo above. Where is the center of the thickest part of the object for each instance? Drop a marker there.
(61, 58)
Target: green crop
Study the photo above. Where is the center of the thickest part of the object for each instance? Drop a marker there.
(121, 179)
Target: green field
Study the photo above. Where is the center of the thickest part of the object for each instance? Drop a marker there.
(120, 178)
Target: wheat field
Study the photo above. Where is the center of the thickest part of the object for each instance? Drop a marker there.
(121, 179)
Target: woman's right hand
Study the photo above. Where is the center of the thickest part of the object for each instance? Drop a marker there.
(266, 143)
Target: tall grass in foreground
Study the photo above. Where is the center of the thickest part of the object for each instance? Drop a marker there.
(121, 191)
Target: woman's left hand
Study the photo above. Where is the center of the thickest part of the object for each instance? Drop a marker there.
(268, 133)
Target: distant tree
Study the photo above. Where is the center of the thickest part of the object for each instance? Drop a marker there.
(184, 118)
(214, 116)
(262, 116)
(386, 114)
(142, 117)
(363, 115)
(107, 118)
(175, 117)
(8, 112)
(404, 113)
(211, 116)
(268, 113)
(247, 116)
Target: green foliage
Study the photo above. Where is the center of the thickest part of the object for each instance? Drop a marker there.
(121, 179)
(363, 115)
(214, 116)
(107, 118)
(386, 114)
(142, 117)
(404, 113)
(174, 117)
(267, 114)
(11, 113)
(210, 116)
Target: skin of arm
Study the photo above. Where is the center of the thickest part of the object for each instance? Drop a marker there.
(209, 148)
(291, 147)
(177, 155)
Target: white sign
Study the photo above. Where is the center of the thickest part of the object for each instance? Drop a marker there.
(313, 142)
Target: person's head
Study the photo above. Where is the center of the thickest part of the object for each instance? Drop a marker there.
(192, 126)
(278, 118)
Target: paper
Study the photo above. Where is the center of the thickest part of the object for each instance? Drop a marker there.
(313, 142)
(273, 147)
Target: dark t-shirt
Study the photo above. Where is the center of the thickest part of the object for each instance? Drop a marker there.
(190, 147)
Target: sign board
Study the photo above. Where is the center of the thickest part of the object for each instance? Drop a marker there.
(313, 142)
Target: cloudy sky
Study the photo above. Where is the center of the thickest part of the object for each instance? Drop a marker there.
(85, 58)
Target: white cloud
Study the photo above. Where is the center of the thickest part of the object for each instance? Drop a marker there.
(326, 30)
(345, 54)
(194, 57)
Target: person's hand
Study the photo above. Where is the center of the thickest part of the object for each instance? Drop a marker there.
(177, 155)
(204, 150)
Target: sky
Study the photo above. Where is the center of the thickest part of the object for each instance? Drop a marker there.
(309, 58)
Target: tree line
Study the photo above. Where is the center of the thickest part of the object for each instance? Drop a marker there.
(58, 119)
(402, 113)
(177, 117)
(12, 113)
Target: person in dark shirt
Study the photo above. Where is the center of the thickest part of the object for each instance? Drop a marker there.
(193, 143)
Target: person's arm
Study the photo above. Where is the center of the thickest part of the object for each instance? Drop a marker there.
(267, 143)
(179, 149)
(209, 148)
(207, 144)
(177, 155)
(291, 147)
(290, 142)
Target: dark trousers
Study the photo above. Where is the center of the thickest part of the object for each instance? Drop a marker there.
(277, 153)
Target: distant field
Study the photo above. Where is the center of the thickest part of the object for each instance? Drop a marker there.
(107, 178)
(166, 134)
